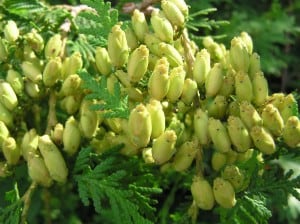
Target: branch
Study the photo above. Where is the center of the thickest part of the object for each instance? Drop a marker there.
(188, 53)
(26, 198)
(145, 6)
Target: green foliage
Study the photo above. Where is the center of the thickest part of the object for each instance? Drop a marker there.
(113, 105)
(109, 184)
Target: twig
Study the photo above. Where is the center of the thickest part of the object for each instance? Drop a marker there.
(26, 198)
(188, 53)
(52, 120)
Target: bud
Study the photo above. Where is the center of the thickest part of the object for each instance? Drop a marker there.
(129, 148)
(201, 66)
(71, 136)
(29, 143)
(131, 38)
(289, 107)
(236, 177)
(238, 133)
(163, 148)
(115, 124)
(217, 107)
(147, 155)
(38, 172)
(71, 85)
(233, 108)
(138, 63)
(53, 47)
(239, 55)
(159, 82)
(224, 193)
(246, 38)
(57, 133)
(231, 157)
(249, 115)
(140, 126)
(6, 116)
(228, 85)
(89, 119)
(243, 87)
(189, 91)
(202, 193)
(4, 132)
(71, 103)
(214, 80)
(51, 72)
(134, 94)
(53, 159)
(162, 27)
(291, 132)
(65, 68)
(11, 151)
(15, 80)
(254, 65)
(157, 117)
(219, 135)
(177, 76)
(272, 119)
(32, 89)
(276, 99)
(218, 160)
(139, 24)
(152, 42)
(183, 7)
(3, 50)
(173, 13)
(117, 47)
(263, 140)
(102, 60)
(170, 52)
(75, 63)
(11, 31)
(260, 89)
(31, 71)
(35, 40)
(201, 126)
(8, 97)
(185, 155)
(244, 156)
(123, 78)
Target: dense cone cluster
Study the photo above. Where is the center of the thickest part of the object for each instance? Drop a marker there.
(183, 101)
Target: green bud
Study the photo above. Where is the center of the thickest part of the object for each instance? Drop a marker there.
(162, 27)
(51, 73)
(218, 160)
(263, 140)
(288, 107)
(11, 31)
(71, 103)
(147, 155)
(16, 81)
(224, 193)
(217, 107)
(272, 119)
(189, 91)
(38, 172)
(239, 55)
(152, 42)
(246, 38)
(238, 133)
(117, 46)
(159, 82)
(103, 61)
(115, 124)
(219, 135)
(53, 46)
(140, 126)
(249, 115)
(129, 148)
(65, 68)
(57, 133)
(138, 63)
(184, 157)
(202, 193)
(4, 132)
(3, 50)
(139, 24)
(123, 78)
(201, 126)
(177, 76)
(11, 151)
(245, 156)
(29, 143)
(89, 119)
(53, 159)
(32, 89)
(183, 7)
(235, 176)
(6, 116)
(157, 117)
(35, 40)
(228, 85)
(254, 65)
(170, 52)
(243, 87)
(214, 80)
(201, 66)
(71, 85)
(31, 71)
(71, 136)
(8, 97)
(134, 94)
(231, 157)
(163, 148)
(173, 13)
(260, 89)
(75, 63)
(233, 108)
(131, 38)
(291, 132)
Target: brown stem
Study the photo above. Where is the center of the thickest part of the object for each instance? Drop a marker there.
(26, 198)
(145, 6)
(199, 162)
(52, 120)
(188, 53)
(46, 198)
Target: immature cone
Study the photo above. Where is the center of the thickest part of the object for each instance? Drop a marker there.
(238, 133)
(71, 85)
(184, 157)
(189, 91)
(131, 38)
(11, 151)
(57, 133)
(272, 119)
(260, 88)
(6, 116)
(235, 176)
(249, 115)
(243, 87)
(52, 71)
(71, 136)
(38, 171)
(263, 140)
(254, 65)
(140, 126)
(74, 64)
(31, 71)
(53, 46)
(71, 103)
(152, 42)
(218, 160)
(214, 80)
(170, 52)
(246, 38)
(35, 41)
(4, 132)
(224, 193)
(53, 158)
(138, 63)
(11, 31)
(183, 7)
(239, 55)
(29, 143)
(202, 193)
(228, 85)
(117, 46)
(288, 107)
(103, 62)
(201, 66)
(139, 24)
(177, 76)
(219, 135)
(217, 107)
(291, 132)
(162, 27)
(89, 119)
(163, 148)
(32, 89)
(8, 97)
(16, 81)
(157, 117)
(173, 13)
